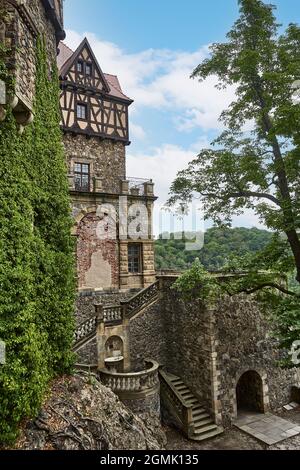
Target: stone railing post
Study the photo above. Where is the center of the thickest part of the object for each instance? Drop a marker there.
(124, 187)
(98, 185)
(71, 181)
(149, 188)
(100, 331)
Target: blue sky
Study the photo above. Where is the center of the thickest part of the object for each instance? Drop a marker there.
(153, 46)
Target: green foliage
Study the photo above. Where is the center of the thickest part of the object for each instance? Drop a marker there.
(197, 283)
(257, 169)
(220, 245)
(36, 255)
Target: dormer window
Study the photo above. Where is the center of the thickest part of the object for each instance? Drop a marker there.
(80, 66)
(88, 69)
(81, 111)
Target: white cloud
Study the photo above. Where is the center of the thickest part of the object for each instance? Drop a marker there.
(137, 132)
(161, 165)
(160, 79)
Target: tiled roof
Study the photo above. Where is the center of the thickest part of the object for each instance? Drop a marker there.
(66, 54)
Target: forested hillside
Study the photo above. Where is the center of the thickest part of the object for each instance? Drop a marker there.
(219, 244)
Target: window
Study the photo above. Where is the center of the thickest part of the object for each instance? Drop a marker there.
(80, 66)
(134, 258)
(81, 111)
(82, 176)
(88, 69)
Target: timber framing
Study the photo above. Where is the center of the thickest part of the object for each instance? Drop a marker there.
(84, 83)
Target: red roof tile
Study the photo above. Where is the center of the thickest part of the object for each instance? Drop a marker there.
(66, 54)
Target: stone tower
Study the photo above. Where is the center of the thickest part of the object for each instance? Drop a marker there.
(21, 21)
(94, 113)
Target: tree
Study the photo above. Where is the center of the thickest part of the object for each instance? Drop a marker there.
(256, 168)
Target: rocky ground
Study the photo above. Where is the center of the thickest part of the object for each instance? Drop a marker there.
(234, 439)
(82, 414)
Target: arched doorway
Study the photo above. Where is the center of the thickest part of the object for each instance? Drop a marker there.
(249, 392)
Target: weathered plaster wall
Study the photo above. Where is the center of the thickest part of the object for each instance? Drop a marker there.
(97, 257)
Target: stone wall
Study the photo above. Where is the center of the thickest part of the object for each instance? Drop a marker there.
(188, 341)
(88, 354)
(87, 299)
(147, 336)
(21, 27)
(105, 157)
(148, 404)
(244, 343)
(210, 348)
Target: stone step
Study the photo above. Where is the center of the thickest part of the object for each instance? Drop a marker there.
(199, 407)
(200, 415)
(192, 402)
(200, 423)
(187, 395)
(173, 378)
(207, 435)
(206, 428)
(179, 384)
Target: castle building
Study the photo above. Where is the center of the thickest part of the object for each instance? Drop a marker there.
(95, 125)
(21, 21)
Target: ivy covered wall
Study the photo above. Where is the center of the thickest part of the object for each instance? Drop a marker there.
(37, 281)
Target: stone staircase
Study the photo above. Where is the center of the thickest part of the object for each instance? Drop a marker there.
(115, 314)
(192, 417)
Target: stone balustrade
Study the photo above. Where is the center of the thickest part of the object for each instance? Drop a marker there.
(85, 330)
(140, 300)
(112, 314)
(132, 385)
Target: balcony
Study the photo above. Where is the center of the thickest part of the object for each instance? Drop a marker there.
(128, 187)
(137, 187)
(133, 385)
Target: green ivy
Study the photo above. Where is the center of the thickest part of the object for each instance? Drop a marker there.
(37, 282)
(197, 283)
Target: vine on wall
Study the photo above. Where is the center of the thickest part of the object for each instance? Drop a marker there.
(37, 281)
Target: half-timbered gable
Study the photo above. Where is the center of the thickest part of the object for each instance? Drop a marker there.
(91, 102)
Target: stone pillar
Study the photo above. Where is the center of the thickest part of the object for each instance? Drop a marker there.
(215, 383)
(123, 264)
(124, 187)
(98, 185)
(149, 188)
(149, 275)
(100, 334)
(71, 181)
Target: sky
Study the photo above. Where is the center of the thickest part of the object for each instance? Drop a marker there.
(153, 46)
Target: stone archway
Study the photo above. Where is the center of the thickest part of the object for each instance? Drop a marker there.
(114, 347)
(250, 392)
